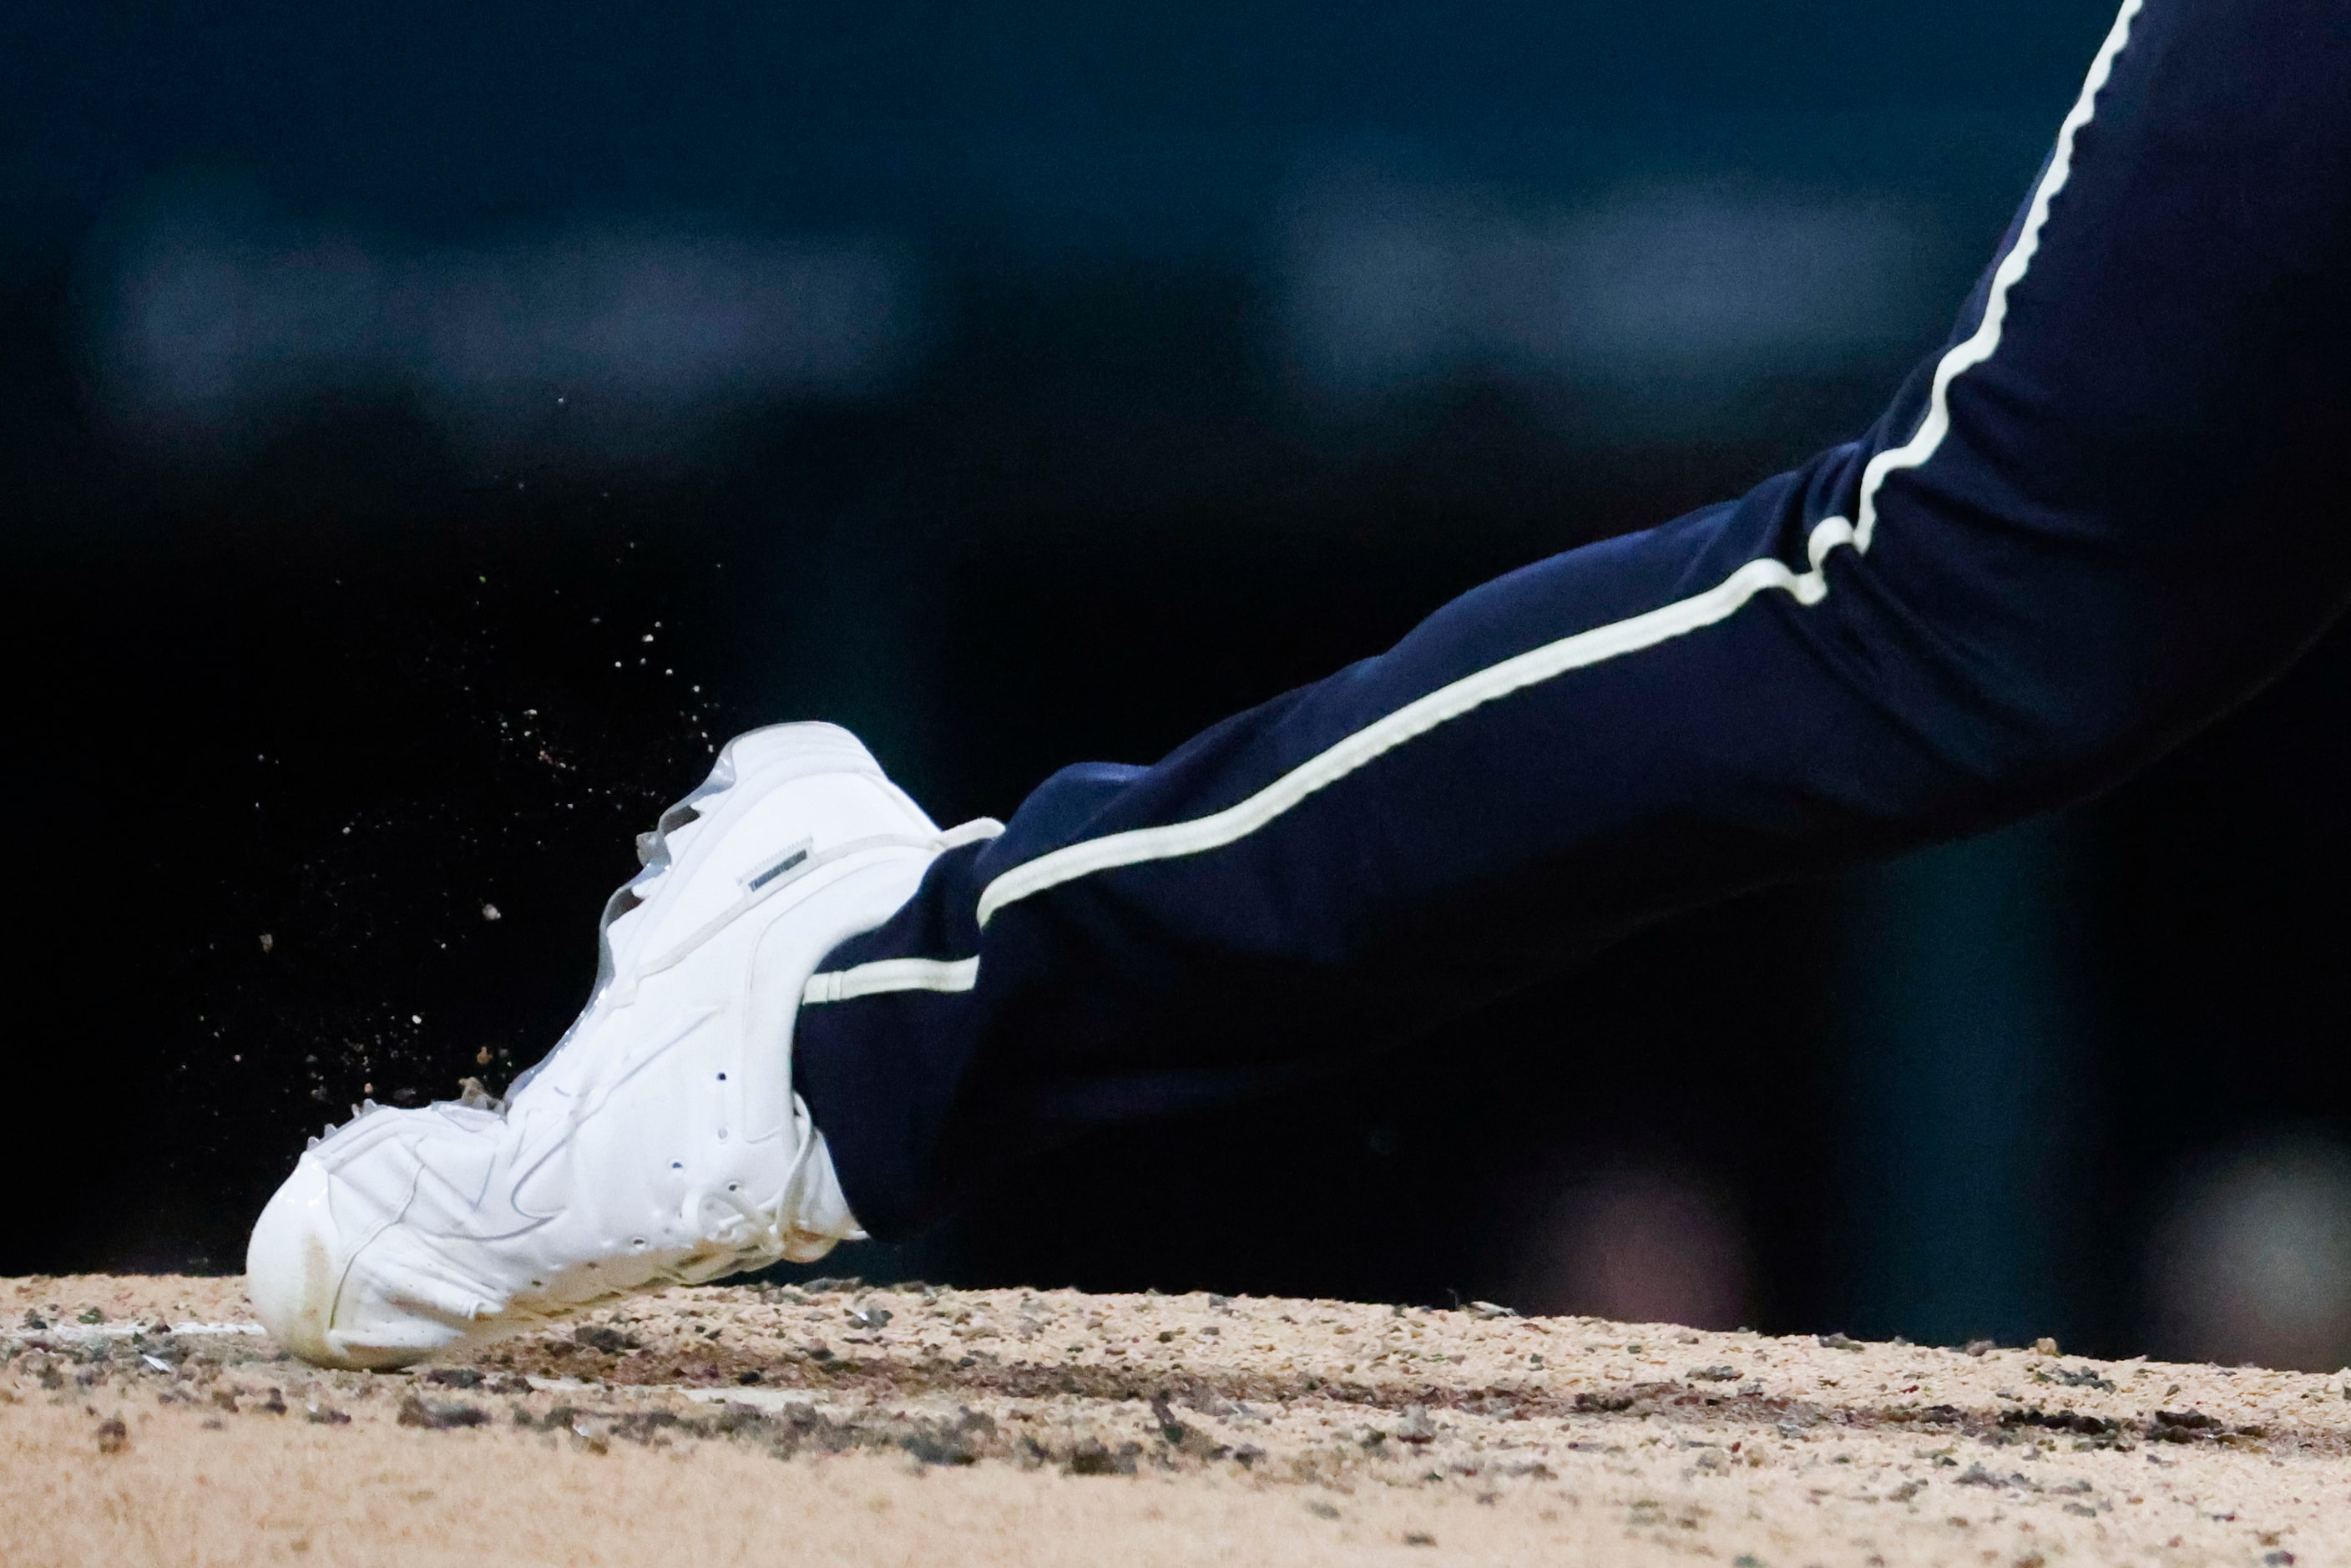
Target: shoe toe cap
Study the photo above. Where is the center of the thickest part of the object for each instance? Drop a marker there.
(294, 1266)
(298, 1271)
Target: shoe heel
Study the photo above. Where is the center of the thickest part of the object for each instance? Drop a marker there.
(806, 748)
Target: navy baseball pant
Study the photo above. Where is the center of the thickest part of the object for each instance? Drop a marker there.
(2111, 508)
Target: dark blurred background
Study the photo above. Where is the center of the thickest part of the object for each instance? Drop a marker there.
(426, 432)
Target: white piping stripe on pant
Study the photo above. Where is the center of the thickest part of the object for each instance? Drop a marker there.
(1601, 642)
(891, 975)
(1981, 343)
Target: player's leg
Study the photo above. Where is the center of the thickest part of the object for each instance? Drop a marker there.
(2085, 529)
(2105, 512)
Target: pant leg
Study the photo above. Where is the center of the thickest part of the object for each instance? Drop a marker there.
(2107, 511)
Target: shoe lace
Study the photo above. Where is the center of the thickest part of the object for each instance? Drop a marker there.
(745, 1235)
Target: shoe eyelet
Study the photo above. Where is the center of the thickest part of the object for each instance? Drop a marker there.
(677, 1165)
(722, 1078)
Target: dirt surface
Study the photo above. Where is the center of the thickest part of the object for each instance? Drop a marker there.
(147, 1421)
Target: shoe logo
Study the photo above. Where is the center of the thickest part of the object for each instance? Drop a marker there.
(796, 856)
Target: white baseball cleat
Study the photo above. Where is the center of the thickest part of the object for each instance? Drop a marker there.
(661, 1141)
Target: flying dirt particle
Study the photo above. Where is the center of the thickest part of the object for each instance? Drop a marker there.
(114, 1437)
(268, 942)
(490, 912)
(482, 1057)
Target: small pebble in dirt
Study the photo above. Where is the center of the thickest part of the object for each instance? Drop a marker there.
(1418, 1538)
(1095, 1458)
(1321, 1510)
(1415, 1426)
(114, 1437)
(434, 1416)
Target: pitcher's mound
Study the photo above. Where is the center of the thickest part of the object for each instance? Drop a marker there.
(149, 1421)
